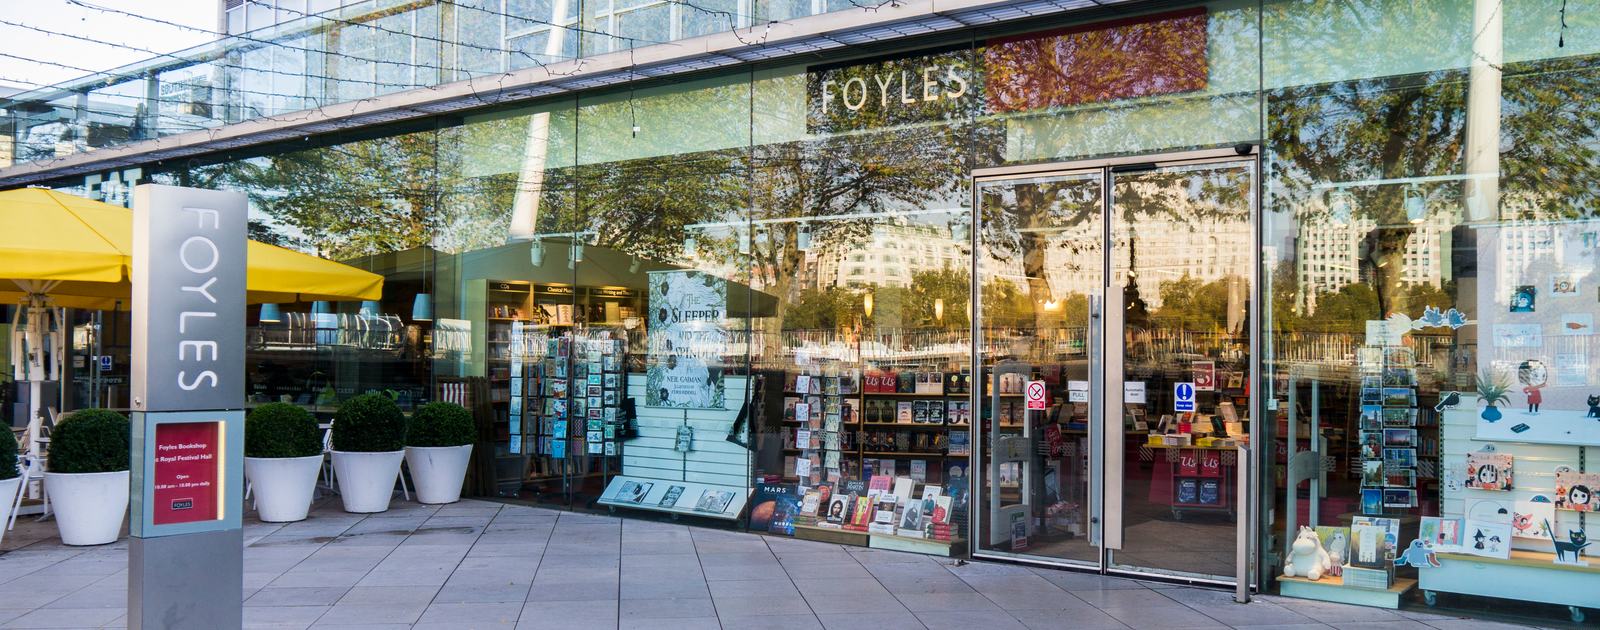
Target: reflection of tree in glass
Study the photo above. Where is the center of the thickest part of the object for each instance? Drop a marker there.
(357, 198)
(842, 187)
(1024, 221)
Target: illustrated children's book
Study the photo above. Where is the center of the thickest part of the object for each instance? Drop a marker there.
(1488, 539)
(1440, 534)
(1489, 471)
(1531, 518)
(1372, 541)
(1336, 541)
(1575, 491)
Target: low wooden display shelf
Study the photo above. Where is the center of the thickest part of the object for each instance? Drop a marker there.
(1332, 589)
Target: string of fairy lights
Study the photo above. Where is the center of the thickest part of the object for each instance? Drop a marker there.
(315, 90)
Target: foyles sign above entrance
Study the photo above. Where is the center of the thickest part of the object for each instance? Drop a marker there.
(188, 298)
(889, 92)
(1143, 56)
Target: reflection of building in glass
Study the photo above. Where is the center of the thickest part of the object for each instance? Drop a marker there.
(1167, 249)
(1522, 245)
(889, 257)
(1330, 255)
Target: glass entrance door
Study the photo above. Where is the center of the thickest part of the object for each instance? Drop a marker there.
(1121, 294)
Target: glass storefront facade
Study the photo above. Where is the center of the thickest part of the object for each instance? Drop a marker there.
(1266, 261)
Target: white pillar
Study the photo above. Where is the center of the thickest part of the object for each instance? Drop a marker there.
(1483, 112)
(536, 147)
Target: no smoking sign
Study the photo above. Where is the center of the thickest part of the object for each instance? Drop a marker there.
(1037, 398)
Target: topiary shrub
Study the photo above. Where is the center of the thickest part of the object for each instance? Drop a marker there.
(281, 430)
(8, 459)
(90, 441)
(441, 424)
(369, 423)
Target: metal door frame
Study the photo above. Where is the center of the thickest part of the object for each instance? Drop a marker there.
(1106, 322)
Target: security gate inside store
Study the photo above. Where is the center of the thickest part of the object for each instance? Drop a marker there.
(1115, 334)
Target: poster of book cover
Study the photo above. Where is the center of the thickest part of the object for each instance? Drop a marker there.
(687, 340)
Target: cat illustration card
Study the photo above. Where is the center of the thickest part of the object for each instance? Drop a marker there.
(1489, 471)
(1575, 491)
(1570, 551)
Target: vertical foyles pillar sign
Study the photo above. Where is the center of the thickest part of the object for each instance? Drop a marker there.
(185, 559)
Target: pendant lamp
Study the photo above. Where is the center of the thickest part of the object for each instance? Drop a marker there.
(270, 314)
(422, 306)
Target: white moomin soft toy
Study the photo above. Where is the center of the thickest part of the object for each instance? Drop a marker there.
(1307, 558)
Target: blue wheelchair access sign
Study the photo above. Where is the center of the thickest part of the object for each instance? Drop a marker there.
(1183, 397)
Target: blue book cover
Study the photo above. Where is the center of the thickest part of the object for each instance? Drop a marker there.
(1188, 490)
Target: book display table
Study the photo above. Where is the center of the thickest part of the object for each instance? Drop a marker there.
(1193, 478)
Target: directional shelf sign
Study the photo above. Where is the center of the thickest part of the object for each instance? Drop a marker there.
(1036, 395)
(1183, 397)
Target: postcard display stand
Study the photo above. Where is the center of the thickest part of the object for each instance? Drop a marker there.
(1389, 468)
(1530, 572)
(709, 480)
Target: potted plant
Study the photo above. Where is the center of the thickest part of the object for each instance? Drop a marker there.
(282, 454)
(10, 479)
(87, 477)
(438, 446)
(1492, 389)
(369, 438)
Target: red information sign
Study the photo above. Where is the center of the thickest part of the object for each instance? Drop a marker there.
(187, 473)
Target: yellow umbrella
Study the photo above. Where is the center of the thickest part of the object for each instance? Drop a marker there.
(66, 251)
(79, 252)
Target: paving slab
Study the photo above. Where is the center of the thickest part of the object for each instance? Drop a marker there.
(482, 564)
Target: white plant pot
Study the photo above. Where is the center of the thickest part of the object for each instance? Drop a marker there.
(8, 497)
(282, 486)
(438, 471)
(366, 480)
(89, 507)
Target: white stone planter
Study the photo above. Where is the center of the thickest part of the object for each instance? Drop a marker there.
(438, 471)
(89, 507)
(8, 497)
(282, 486)
(366, 480)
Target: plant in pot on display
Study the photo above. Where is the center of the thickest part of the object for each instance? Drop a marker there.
(87, 477)
(282, 454)
(1492, 390)
(438, 445)
(10, 479)
(369, 437)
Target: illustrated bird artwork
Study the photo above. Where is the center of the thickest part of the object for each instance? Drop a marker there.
(1448, 401)
(1431, 317)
